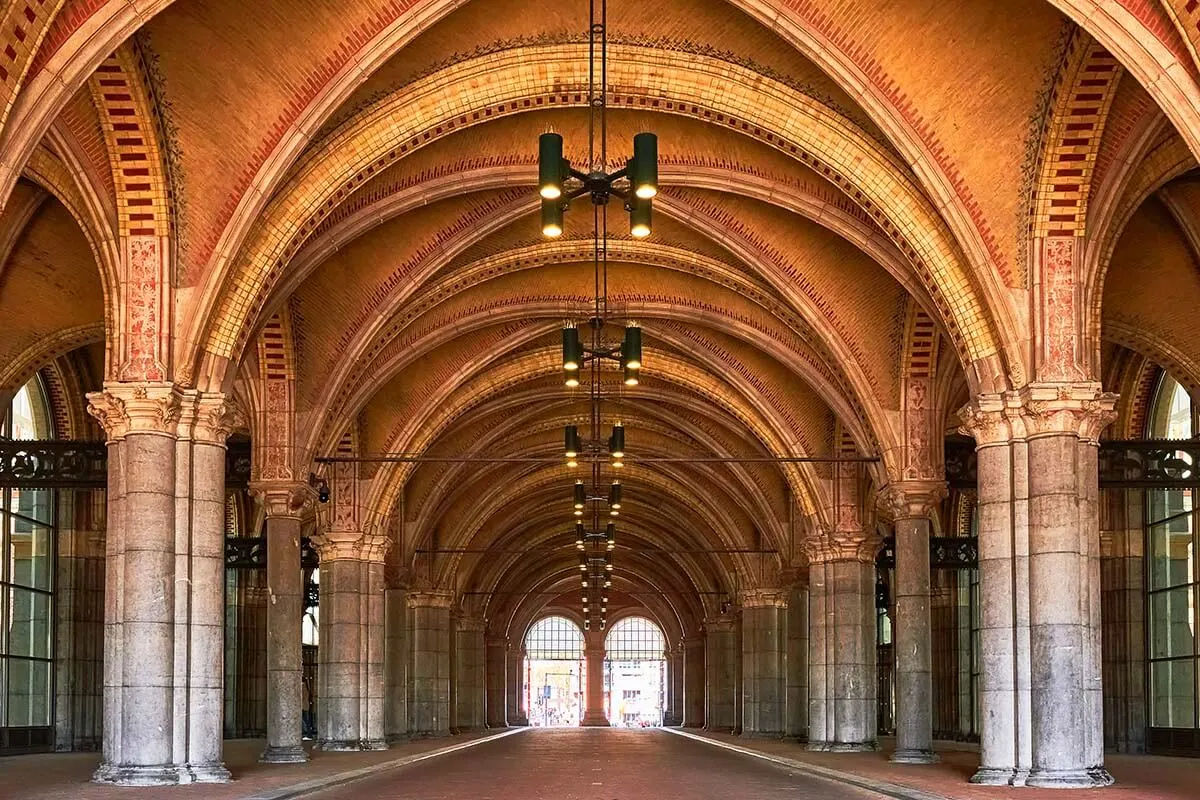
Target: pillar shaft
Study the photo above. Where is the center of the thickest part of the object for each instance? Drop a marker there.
(720, 675)
(284, 605)
(796, 716)
(371, 712)
(497, 682)
(515, 681)
(338, 717)
(470, 674)
(764, 615)
(842, 671)
(594, 654)
(673, 714)
(429, 684)
(693, 681)
(397, 658)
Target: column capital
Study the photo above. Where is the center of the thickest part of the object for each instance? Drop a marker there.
(1080, 409)
(283, 499)
(351, 546)
(124, 408)
(861, 546)
(723, 623)
(764, 598)
(692, 641)
(469, 622)
(911, 499)
(430, 598)
(207, 417)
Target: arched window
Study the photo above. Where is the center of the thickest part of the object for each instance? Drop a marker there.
(554, 667)
(26, 585)
(1172, 587)
(635, 667)
(636, 639)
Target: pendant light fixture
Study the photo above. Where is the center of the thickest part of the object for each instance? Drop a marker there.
(636, 184)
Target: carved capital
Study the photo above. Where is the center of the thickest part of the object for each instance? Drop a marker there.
(911, 499)
(861, 546)
(986, 420)
(283, 498)
(764, 598)
(122, 409)
(723, 623)
(352, 546)
(1079, 409)
(205, 417)
(468, 622)
(431, 598)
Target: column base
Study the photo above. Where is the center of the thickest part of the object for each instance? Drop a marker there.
(286, 754)
(842, 747)
(914, 756)
(1069, 778)
(209, 773)
(995, 776)
(373, 744)
(687, 724)
(429, 734)
(339, 746)
(470, 729)
(718, 728)
(595, 721)
(398, 738)
(762, 734)
(123, 775)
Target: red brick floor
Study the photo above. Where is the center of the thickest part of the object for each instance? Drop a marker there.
(66, 776)
(1138, 777)
(594, 764)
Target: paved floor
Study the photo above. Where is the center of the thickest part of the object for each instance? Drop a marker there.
(594, 764)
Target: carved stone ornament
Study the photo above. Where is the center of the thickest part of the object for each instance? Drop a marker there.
(911, 499)
(467, 622)
(1039, 409)
(430, 598)
(122, 409)
(861, 546)
(764, 598)
(205, 417)
(283, 499)
(351, 546)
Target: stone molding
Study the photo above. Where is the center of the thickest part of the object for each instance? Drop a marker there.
(127, 408)
(764, 598)
(205, 417)
(430, 598)
(911, 499)
(1083, 410)
(469, 622)
(723, 623)
(861, 546)
(692, 641)
(496, 641)
(351, 546)
(283, 499)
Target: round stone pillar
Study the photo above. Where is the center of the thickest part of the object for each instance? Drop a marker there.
(795, 724)
(470, 669)
(515, 681)
(764, 612)
(593, 652)
(693, 681)
(429, 684)
(139, 663)
(721, 674)
(910, 504)
(673, 714)
(497, 681)
(283, 505)
(842, 650)
(396, 664)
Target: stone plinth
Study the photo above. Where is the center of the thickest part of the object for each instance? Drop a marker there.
(429, 684)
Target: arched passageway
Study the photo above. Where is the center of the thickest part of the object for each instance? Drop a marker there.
(635, 673)
(554, 673)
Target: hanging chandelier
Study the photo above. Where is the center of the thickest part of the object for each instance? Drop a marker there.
(636, 184)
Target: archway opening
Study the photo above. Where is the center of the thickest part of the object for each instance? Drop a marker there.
(553, 680)
(635, 673)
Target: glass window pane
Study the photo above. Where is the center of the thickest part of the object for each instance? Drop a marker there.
(554, 639)
(27, 695)
(28, 623)
(1172, 553)
(29, 558)
(635, 639)
(36, 504)
(1173, 694)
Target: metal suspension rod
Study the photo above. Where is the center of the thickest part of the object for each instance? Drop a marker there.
(401, 458)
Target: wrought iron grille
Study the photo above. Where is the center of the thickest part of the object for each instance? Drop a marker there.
(250, 552)
(945, 552)
(50, 464)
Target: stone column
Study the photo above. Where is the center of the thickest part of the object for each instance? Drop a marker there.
(842, 671)
(693, 681)
(517, 714)
(371, 711)
(497, 681)
(429, 684)
(910, 504)
(720, 661)
(593, 652)
(764, 614)
(1063, 427)
(470, 669)
(164, 575)
(795, 724)
(1004, 745)
(199, 599)
(397, 658)
(675, 671)
(284, 504)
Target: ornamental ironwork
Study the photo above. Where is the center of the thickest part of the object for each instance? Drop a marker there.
(945, 552)
(250, 552)
(53, 464)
